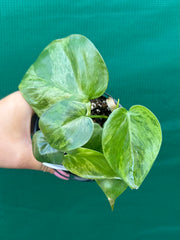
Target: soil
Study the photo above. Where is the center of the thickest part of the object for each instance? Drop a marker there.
(99, 107)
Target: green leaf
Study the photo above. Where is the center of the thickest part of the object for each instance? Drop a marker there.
(112, 188)
(43, 152)
(95, 142)
(131, 141)
(88, 163)
(70, 68)
(66, 125)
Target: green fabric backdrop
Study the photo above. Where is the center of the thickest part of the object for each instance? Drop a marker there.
(138, 40)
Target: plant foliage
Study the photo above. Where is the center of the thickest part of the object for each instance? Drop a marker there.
(59, 86)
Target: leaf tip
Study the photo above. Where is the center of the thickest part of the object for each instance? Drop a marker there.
(112, 202)
(133, 187)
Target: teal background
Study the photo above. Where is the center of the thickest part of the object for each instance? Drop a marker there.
(139, 41)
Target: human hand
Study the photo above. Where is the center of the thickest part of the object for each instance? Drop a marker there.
(15, 135)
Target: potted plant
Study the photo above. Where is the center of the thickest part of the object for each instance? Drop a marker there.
(61, 86)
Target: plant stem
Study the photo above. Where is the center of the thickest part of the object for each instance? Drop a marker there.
(98, 116)
(117, 105)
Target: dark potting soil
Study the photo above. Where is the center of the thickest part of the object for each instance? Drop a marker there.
(99, 107)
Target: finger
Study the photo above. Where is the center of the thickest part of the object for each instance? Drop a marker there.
(46, 169)
(61, 174)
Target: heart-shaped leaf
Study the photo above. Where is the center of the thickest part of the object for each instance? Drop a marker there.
(112, 188)
(67, 68)
(66, 125)
(131, 141)
(43, 152)
(95, 142)
(88, 163)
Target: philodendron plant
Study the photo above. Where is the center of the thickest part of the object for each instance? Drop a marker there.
(59, 86)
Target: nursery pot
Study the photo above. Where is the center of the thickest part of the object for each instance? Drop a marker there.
(63, 171)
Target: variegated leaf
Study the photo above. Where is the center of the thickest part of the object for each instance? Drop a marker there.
(88, 163)
(43, 152)
(69, 68)
(131, 141)
(66, 126)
